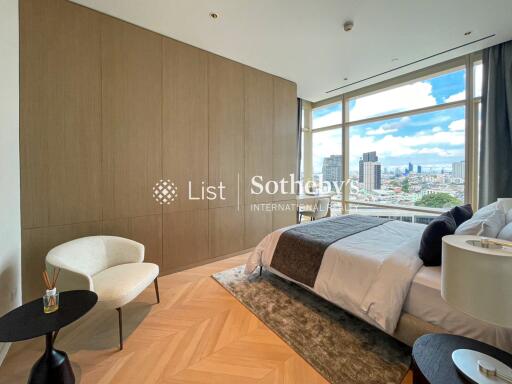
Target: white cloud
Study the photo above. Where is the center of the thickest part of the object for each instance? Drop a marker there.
(455, 97)
(395, 146)
(325, 144)
(477, 78)
(440, 152)
(382, 130)
(437, 129)
(331, 118)
(457, 125)
(406, 97)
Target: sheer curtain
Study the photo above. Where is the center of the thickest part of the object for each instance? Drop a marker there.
(496, 134)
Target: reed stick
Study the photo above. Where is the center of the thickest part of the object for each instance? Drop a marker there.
(50, 284)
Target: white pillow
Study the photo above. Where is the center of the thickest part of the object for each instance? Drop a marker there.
(484, 223)
(506, 232)
(486, 211)
(506, 205)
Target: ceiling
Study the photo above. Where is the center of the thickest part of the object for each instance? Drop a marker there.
(304, 40)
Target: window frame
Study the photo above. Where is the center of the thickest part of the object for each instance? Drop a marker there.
(309, 132)
(327, 127)
(471, 130)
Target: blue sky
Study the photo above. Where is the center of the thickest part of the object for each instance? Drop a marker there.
(433, 140)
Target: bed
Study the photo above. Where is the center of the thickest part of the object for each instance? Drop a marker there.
(370, 267)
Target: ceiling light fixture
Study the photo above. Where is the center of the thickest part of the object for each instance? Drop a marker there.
(348, 25)
(214, 15)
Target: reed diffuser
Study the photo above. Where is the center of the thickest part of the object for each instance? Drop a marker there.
(51, 298)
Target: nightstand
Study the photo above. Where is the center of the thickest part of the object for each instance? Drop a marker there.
(432, 358)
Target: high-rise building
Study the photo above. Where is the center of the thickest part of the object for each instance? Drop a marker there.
(332, 168)
(459, 169)
(370, 156)
(411, 167)
(419, 168)
(367, 157)
(378, 176)
(372, 175)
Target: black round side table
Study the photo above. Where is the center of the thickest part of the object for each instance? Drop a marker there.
(432, 358)
(29, 321)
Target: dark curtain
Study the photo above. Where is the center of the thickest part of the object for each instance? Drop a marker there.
(299, 146)
(496, 134)
(299, 136)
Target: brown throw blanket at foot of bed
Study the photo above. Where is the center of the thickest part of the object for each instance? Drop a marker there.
(300, 250)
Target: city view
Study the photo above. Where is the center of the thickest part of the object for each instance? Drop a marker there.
(412, 185)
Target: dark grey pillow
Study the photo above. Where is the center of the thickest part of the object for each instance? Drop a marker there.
(462, 213)
(431, 241)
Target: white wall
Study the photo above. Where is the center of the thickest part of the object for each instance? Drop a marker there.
(10, 243)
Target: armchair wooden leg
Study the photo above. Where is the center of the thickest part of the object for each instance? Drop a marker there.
(156, 290)
(120, 313)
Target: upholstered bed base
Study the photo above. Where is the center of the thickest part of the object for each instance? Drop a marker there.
(409, 328)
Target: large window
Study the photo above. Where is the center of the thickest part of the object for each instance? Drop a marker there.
(327, 158)
(416, 160)
(437, 90)
(326, 147)
(327, 116)
(411, 142)
(322, 149)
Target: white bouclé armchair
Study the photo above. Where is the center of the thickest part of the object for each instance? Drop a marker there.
(112, 267)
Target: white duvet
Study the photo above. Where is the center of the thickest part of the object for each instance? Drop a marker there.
(367, 274)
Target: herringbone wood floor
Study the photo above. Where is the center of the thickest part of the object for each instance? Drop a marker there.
(198, 334)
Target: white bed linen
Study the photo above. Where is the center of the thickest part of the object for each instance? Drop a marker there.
(425, 302)
(367, 274)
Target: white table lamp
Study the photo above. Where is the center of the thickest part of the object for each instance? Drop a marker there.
(477, 280)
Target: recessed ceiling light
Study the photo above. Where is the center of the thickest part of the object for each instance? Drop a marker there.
(467, 33)
(348, 25)
(214, 15)
(394, 59)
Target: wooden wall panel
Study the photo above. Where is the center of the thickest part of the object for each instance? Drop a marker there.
(60, 130)
(185, 122)
(146, 230)
(226, 122)
(284, 214)
(259, 121)
(132, 119)
(108, 109)
(36, 243)
(284, 143)
(257, 224)
(185, 239)
(226, 231)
